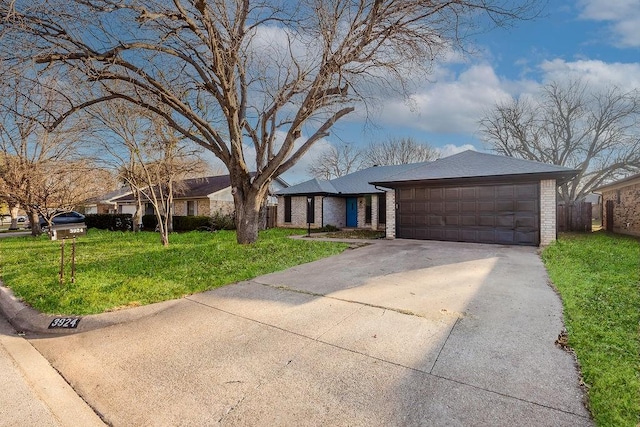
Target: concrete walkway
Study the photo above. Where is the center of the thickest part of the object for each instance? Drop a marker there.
(395, 333)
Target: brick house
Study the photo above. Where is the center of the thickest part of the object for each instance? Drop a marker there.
(204, 196)
(345, 202)
(467, 197)
(621, 205)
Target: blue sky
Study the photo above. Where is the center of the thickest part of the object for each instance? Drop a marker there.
(597, 40)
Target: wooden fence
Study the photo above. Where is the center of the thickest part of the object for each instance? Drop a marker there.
(575, 216)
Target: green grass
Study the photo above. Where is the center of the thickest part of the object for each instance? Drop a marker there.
(116, 269)
(598, 277)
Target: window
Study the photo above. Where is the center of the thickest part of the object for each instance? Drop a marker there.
(287, 208)
(367, 209)
(191, 208)
(311, 209)
(148, 209)
(382, 208)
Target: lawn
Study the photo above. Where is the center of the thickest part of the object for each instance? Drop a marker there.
(598, 277)
(123, 269)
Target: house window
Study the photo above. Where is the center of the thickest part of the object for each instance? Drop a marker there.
(382, 208)
(618, 198)
(287, 208)
(148, 209)
(367, 209)
(311, 209)
(191, 208)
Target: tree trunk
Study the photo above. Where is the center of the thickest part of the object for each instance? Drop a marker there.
(34, 219)
(14, 218)
(248, 202)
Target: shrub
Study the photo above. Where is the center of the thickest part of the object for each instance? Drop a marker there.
(114, 222)
(190, 223)
(220, 221)
(149, 222)
(329, 228)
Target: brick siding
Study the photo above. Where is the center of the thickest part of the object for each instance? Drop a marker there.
(626, 208)
(548, 230)
(390, 226)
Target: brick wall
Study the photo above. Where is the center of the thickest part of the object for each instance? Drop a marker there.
(547, 211)
(299, 212)
(390, 226)
(626, 209)
(335, 211)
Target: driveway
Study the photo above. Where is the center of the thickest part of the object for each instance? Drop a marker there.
(395, 333)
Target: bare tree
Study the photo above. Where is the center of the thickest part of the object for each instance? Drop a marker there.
(335, 162)
(149, 156)
(40, 170)
(245, 79)
(398, 151)
(595, 131)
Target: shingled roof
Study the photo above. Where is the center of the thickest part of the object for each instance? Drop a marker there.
(473, 164)
(353, 184)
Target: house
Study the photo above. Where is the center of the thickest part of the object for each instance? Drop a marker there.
(621, 205)
(467, 197)
(345, 202)
(105, 204)
(197, 196)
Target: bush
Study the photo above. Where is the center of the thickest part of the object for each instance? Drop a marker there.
(114, 222)
(190, 223)
(149, 222)
(220, 221)
(329, 228)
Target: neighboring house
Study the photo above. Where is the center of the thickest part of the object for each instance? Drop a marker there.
(105, 204)
(345, 202)
(621, 205)
(197, 196)
(467, 197)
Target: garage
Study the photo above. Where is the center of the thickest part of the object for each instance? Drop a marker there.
(498, 213)
(476, 197)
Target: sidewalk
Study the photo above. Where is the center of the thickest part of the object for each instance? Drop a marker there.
(33, 393)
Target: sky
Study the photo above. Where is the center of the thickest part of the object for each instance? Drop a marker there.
(596, 40)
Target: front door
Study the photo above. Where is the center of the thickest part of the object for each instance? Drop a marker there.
(352, 212)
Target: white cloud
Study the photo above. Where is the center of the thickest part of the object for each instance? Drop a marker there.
(623, 16)
(450, 106)
(596, 73)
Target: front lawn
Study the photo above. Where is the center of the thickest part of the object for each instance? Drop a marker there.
(598, 277)
(120, 269)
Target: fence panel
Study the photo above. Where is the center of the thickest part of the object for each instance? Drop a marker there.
(575, 216)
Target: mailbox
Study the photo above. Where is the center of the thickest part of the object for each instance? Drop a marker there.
(65, 231)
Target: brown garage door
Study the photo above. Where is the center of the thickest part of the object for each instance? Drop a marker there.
(502, 213)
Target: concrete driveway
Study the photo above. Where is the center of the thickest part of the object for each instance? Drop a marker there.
(395, 333)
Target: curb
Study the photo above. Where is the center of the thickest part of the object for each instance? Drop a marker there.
(25, 319)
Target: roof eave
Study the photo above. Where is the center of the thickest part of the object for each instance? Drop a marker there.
(561, 177)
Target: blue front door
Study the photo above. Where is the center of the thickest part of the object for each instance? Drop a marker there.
(352, 212)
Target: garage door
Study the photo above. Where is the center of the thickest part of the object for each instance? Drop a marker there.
(503, 213)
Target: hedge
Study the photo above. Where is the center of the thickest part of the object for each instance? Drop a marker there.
(189, 223)
(115, 222)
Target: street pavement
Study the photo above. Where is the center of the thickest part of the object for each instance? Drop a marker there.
(394, 333)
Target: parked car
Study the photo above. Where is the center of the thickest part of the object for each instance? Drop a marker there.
(63, 218)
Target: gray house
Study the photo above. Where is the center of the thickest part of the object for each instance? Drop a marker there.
(346, 202)
(468, 197)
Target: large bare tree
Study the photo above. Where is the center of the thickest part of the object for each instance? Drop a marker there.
(398, 151)
(245, 79)
(571, 124)
(41, 170)
(335, 162)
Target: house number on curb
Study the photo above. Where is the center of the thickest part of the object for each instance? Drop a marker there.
(65, 322)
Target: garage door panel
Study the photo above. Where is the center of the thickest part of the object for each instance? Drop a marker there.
(505, 213)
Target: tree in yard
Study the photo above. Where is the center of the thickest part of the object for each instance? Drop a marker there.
(335, 162)
(147, 154)
(41, 171)
(571, 125)
(150, 158)
(398, 151)
(244, 78)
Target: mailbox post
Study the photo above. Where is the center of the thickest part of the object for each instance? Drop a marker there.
(65, 231)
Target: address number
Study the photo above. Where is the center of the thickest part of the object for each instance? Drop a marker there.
(64, 322)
